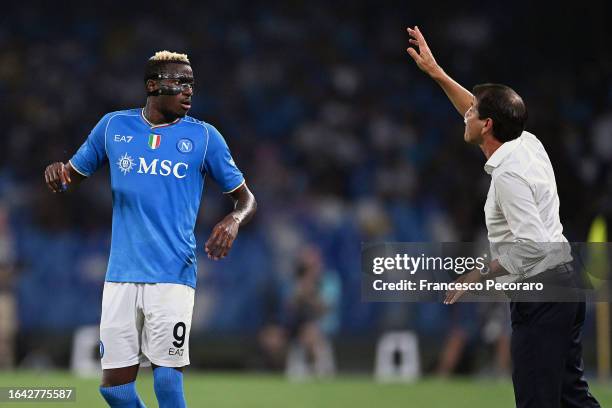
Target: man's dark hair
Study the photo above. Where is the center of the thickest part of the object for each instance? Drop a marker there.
(158, 62)
(504, 106)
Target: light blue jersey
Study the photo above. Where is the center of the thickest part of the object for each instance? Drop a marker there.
(157, 178)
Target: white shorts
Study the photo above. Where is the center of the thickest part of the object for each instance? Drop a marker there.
(144, 322)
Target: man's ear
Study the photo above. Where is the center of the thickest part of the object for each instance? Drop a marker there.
(488, 126)
(150, 86)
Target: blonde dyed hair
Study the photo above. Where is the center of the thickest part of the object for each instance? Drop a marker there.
(169, 56)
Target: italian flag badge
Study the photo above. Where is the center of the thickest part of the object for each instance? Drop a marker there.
(154, 141)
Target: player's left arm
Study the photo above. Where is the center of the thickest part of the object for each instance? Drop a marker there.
(225, 232)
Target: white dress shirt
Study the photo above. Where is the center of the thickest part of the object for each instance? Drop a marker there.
(522, 210)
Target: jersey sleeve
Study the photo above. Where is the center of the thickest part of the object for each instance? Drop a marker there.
(219, 164)
(92, 153)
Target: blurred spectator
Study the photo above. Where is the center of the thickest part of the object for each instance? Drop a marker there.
(312, 317)
(8, 304)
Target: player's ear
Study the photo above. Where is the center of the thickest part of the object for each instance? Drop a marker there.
(150, 85)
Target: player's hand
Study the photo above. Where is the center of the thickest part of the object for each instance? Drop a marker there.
(57, 177)
(222, 238)
(423, 57)
(452, 296)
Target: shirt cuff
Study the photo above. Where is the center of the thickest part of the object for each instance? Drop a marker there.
(235, 188)
(82, 173)
(508, 265)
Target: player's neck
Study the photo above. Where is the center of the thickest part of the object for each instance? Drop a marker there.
(155, 116)
(489, 146)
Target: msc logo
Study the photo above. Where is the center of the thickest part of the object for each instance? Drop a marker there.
(156, 167)
(125, 163)
(165, 168)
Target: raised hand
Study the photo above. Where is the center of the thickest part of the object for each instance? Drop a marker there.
(423, 57)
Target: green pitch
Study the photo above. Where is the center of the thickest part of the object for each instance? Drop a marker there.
(253, 390)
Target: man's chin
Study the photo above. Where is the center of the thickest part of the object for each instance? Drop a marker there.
(470, 140)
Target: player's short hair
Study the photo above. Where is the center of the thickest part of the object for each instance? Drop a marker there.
(504, 106)
(158, 62)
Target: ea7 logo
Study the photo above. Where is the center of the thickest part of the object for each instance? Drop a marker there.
(175, 351)
(120, 138)
(178, 170)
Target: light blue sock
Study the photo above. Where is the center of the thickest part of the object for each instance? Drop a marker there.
(123, 396)
(168, 385)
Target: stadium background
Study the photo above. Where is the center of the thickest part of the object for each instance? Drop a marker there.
(341, 139)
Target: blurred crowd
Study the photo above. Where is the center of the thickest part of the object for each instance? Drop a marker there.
(339, 135)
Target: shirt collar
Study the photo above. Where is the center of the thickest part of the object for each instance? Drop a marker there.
(501, 153)
(153, 126)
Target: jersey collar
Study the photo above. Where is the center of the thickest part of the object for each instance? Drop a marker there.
(501, 153)
(152, 126)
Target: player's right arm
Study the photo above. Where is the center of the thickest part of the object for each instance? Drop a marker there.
(59, 175)
(89, 158)
(458, 95)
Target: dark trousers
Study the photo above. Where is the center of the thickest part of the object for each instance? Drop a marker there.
(546, 350)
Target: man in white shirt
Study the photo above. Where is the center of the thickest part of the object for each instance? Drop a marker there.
(526, 236)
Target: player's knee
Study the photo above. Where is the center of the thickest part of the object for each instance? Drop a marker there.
(119, 376)
(168, 385)
(124, 396)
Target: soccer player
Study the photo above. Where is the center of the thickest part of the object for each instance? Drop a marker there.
(522, 206)
(158, 160)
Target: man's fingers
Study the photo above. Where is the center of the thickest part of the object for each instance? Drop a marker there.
(48, 182)
(212, 246)
(420, 38)
(66, 174)
(54, 180)
(413, 34)
(227, 246)
(214, 243)
(453, 296)
(219, 238)
(57, 177)
(456, 296)
(208, 246)
(419, 35)
(61, 178)
(223, 245)
(413, 42)
(62, 175)
(414, 54)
